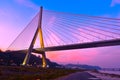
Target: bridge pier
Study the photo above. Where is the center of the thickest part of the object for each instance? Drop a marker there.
(27, 58)
(38, 31)
(44, 62)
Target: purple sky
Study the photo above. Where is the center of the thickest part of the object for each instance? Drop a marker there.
(16, 14)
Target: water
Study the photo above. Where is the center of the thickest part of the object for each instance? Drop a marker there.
(110, 72)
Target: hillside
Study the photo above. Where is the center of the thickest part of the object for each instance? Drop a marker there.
(81, 66)
(16, 58)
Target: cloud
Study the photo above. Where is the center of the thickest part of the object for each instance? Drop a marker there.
(73, 56)
(115, 2)
(27, 4)
(108, 57)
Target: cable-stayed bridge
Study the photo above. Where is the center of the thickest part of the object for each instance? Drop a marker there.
(53, 31)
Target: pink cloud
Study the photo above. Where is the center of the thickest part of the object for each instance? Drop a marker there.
(73, 56)
(48, 21)
(52, 20)
(89, 33)
(108, 57)
(114, 2)
(104, 57)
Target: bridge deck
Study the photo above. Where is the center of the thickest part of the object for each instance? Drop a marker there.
(75, 46)
(81, 46)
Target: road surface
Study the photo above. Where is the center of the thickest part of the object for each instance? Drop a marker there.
(79, 76)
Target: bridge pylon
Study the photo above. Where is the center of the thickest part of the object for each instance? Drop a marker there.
(38, 31)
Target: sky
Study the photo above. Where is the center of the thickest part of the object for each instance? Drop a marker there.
(16, 14)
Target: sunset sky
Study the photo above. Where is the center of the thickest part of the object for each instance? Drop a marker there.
(16, 14)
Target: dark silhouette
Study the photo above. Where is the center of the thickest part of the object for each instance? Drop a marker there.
(16, 58)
